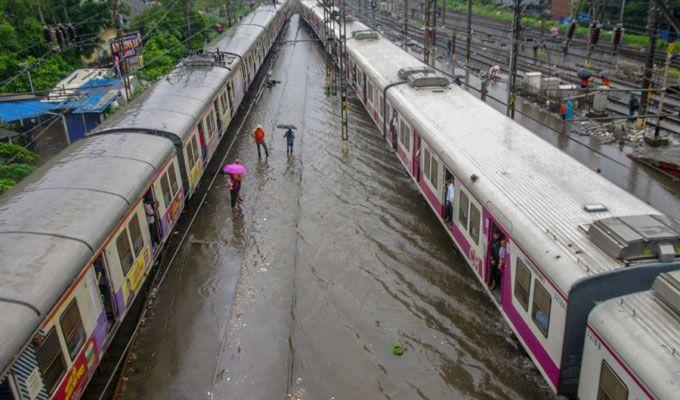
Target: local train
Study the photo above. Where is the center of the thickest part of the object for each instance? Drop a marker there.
(581, 253)
(79, 236)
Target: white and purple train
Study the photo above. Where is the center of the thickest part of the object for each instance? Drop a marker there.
(574, 239)
(78, 238)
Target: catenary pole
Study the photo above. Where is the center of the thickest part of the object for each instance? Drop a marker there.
(512, 78)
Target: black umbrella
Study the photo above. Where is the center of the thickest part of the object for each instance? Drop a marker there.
(584, 73)
(286, 126)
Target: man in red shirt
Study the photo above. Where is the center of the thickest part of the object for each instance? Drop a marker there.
(258, 134)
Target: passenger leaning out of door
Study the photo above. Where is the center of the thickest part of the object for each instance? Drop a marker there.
(150, 206)
(258, 134)
(448, 201)
(496, 245)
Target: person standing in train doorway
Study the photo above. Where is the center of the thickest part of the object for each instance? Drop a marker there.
(290, 141)
(258, 134)
(448, 203)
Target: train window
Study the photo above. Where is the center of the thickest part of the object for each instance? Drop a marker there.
(611, 387)
(195, 148)
(72, 328)
(541, 307)
(213, 119)
(522, 284)
(430, 167)
(463, 206)
(165, 188)
(207, 121)
(474, 223)
(201, 127)
(381, 106)
(405, 135)
(369, 91)
(50, 360)
(124, 251)
(173, 178)
(190, 155)
(136, 234)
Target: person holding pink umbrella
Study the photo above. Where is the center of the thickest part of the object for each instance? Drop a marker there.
(234, 173)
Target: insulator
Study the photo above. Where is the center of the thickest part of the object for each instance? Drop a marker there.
(47, 34)
(571, 29)
(594, 36)
(617, 35)
(59, 33)
(71, 33)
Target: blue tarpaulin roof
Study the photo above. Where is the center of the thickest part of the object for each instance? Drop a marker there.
(11, 111)
(98, 94)
(95, 97)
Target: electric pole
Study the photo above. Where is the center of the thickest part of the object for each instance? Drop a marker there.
(54, 12)
(617, 34)
(344, 72)
(405, 28)
(121, 63)
(229, 8)
(429, 51)
(187, 27)
(512, 78)
(652, 31)
(468, 39)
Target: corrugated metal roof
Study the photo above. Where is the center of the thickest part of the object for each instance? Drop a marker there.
(11, 111)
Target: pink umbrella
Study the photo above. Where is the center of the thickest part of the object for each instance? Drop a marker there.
(235, 169)
(554, 30)
(495, 68)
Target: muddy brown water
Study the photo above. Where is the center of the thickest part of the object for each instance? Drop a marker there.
(334, 258)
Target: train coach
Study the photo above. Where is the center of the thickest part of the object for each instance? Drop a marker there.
(79, 237)
(573, 238)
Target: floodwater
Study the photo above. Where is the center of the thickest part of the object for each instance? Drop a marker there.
(334, 258)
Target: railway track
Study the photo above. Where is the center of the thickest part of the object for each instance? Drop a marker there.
(483, 56)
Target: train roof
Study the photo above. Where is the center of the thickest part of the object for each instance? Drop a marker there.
(53, 222)
(241, 37)
(533, 189)
(174, 104)
(645, 331)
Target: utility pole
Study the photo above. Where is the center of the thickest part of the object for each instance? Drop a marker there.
(512, 78)
(617, 36)
(187, 26)
(670, 49)
(405, 28)
(54, 12)
(344, 72)
(468, 39)
(229, 8)
(119, 35)
(647, 81)
(40, 12)
(429, 51)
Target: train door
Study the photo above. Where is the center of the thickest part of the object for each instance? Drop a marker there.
(495, 260)
(230, 97)
(104, 287)
(152, 219)
(219, 112)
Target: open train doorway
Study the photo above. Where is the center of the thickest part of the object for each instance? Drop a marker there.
(496, 260)
(104, 288)
(152, 220)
